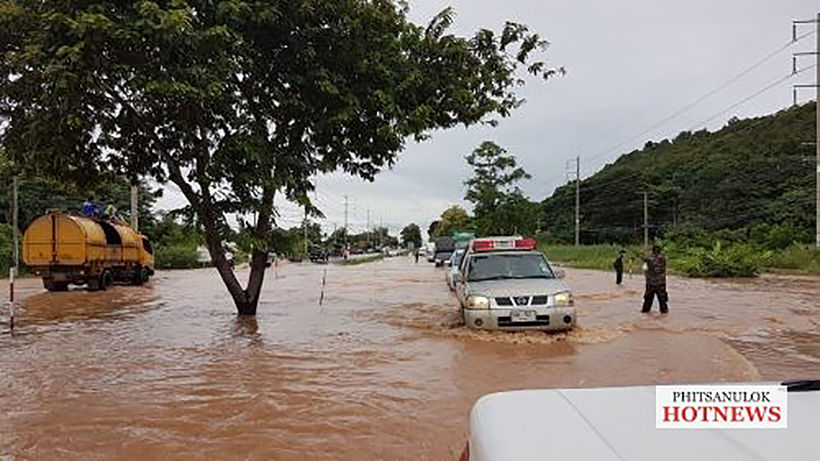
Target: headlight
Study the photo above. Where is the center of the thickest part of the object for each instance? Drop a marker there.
(563, 299)
(478, 302)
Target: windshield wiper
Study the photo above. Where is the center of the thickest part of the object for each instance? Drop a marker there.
(802, 385)
(495, 277)
(540, 276)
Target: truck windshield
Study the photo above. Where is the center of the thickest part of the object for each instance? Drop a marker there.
(508, 266)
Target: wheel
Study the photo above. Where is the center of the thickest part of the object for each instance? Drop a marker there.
(105, 280)
(137, 278)
(93, 284)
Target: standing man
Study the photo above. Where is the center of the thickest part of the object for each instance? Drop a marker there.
(655, 271)
(619, 267)
(416, 254)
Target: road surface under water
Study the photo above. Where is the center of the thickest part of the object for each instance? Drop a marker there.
(382, 370)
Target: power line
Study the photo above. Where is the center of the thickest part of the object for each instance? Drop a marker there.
(752, 96)
(709, 94)
(698, 100)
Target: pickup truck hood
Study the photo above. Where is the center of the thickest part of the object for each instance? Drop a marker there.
(619, 424)
(516, 287)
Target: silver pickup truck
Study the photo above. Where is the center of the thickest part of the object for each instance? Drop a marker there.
(504, 283)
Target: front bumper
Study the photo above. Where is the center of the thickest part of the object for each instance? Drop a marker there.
(547, 319)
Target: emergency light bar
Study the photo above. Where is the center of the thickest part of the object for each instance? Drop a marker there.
(490, 244)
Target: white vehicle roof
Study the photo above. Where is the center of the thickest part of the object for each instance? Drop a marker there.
(619, 424)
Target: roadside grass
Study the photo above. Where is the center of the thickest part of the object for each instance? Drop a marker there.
(804, 259)
(368, 259)
(799, 258)
(592, 256)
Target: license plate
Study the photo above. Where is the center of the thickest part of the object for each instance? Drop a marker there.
(520, 315)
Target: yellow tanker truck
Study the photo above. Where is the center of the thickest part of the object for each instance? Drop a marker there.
(67, 249)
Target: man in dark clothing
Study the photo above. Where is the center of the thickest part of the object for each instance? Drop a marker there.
(619, 267)
(655, 280)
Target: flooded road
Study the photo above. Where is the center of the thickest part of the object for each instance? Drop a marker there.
(383, 370)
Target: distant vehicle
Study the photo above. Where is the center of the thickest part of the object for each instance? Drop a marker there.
(430, 251)
(443, 250)
(203, 256)
(455, 267)
(619, 424)
(318, 255)
(67, 249)
(506, 284)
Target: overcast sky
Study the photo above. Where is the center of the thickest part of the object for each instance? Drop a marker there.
(630, 64)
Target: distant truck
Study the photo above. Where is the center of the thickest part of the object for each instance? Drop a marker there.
(66, 249)
(444, 249)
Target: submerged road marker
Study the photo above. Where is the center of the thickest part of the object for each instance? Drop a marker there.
(11, 300)
(322, 294)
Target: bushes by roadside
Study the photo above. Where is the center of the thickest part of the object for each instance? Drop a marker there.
(6, 249)
(721, 260)
(179, 256)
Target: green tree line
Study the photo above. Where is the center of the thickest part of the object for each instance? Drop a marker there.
(752, 180)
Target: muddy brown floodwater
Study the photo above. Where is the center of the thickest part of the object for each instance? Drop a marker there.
(383, 370)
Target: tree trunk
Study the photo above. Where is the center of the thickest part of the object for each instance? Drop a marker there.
(247, 299)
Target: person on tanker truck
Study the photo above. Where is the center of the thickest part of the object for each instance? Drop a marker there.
(90, 209)
(110, 212)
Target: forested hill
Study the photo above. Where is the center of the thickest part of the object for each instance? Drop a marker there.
(752, 175)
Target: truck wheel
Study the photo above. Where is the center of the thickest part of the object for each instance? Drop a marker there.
(93, 284)
(136, 277)
(105, 280)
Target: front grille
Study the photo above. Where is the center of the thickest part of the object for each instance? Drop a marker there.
(540, 320)
(521, 300)
(539, 300)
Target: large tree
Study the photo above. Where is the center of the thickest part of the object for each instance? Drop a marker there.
(236, 102)
(411, 234)
(453, 219)
(499, 206)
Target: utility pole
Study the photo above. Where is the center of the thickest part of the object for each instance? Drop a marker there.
(368, 228)
(304, 232)
(577, 200)
(135, 207)
(345, 242)
(816, 86)
(645, 220)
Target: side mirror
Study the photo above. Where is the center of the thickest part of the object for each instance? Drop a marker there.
(559, 273)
